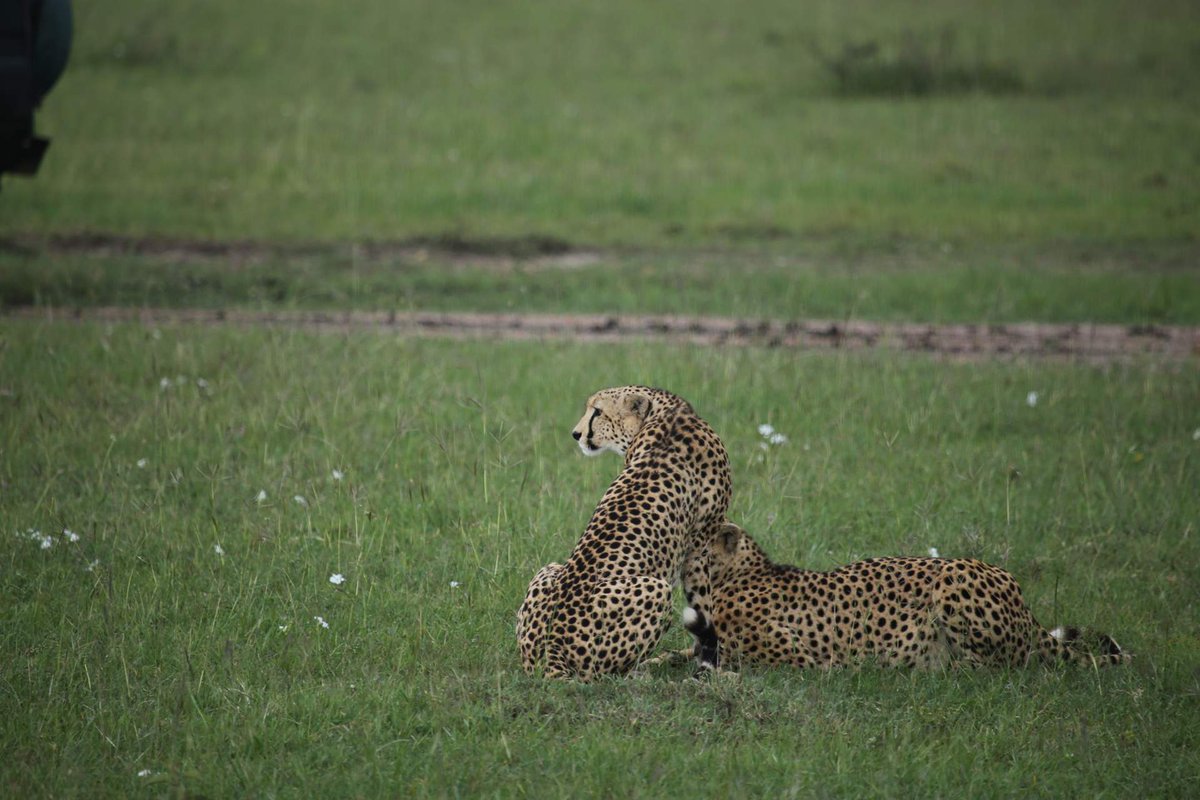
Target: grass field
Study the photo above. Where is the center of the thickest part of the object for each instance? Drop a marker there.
(627, 123)
(175, 501)
(178, 634)
(822, 280)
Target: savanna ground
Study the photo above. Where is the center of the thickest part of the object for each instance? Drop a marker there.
(929, 162)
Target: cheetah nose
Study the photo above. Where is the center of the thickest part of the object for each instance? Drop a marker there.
(575, 435)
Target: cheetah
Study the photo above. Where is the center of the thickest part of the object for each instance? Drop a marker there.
(603, 610)
(926, 613)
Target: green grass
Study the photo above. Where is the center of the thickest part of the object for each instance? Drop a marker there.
(629, 123)
(823, 280)
(718, 168)
(210, 671)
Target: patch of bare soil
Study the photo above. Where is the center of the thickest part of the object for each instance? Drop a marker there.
(1084, 342)
(530, 251)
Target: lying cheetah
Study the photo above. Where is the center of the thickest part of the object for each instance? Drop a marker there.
(604, 609)
(916, 612)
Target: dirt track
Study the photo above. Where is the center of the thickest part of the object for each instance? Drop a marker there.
(1086, 342)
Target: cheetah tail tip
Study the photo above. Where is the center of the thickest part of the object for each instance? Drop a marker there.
(1099, 646)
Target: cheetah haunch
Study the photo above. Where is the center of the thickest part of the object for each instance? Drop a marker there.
(607, 607)
(917, 612)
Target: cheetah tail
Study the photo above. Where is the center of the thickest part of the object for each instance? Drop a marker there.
(706, 645)
(1081, 646)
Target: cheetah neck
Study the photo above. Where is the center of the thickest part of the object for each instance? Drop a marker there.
(658, 426)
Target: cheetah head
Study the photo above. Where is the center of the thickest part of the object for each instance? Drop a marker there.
(729, 551)
(612, 418)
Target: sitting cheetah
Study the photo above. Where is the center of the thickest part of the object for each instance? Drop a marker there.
(917, 612)
(604, 609)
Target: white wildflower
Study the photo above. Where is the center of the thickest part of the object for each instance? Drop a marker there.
(337, 579)
(70, 535)
(164, 384)
(1196, 435)
(933, 553)
(201, 383)
(1031, 399)
(455, 584)
(261, 497)
(218, 549)
(283, 628)
(145, 773)
(770, 436)
(35, 535)
(92, 566)
(338, 475)
(142, 462)
(321, 621)
(301, 501)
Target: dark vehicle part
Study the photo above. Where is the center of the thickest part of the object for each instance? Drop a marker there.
(35, 41)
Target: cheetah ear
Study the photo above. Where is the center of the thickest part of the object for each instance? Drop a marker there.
(728, 536)
(638, 405)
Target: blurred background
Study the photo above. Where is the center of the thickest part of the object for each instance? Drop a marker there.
(624, 122)
(981, 145)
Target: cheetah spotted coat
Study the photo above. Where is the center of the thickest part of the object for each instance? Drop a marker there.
(917, 612)
(606, 608)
